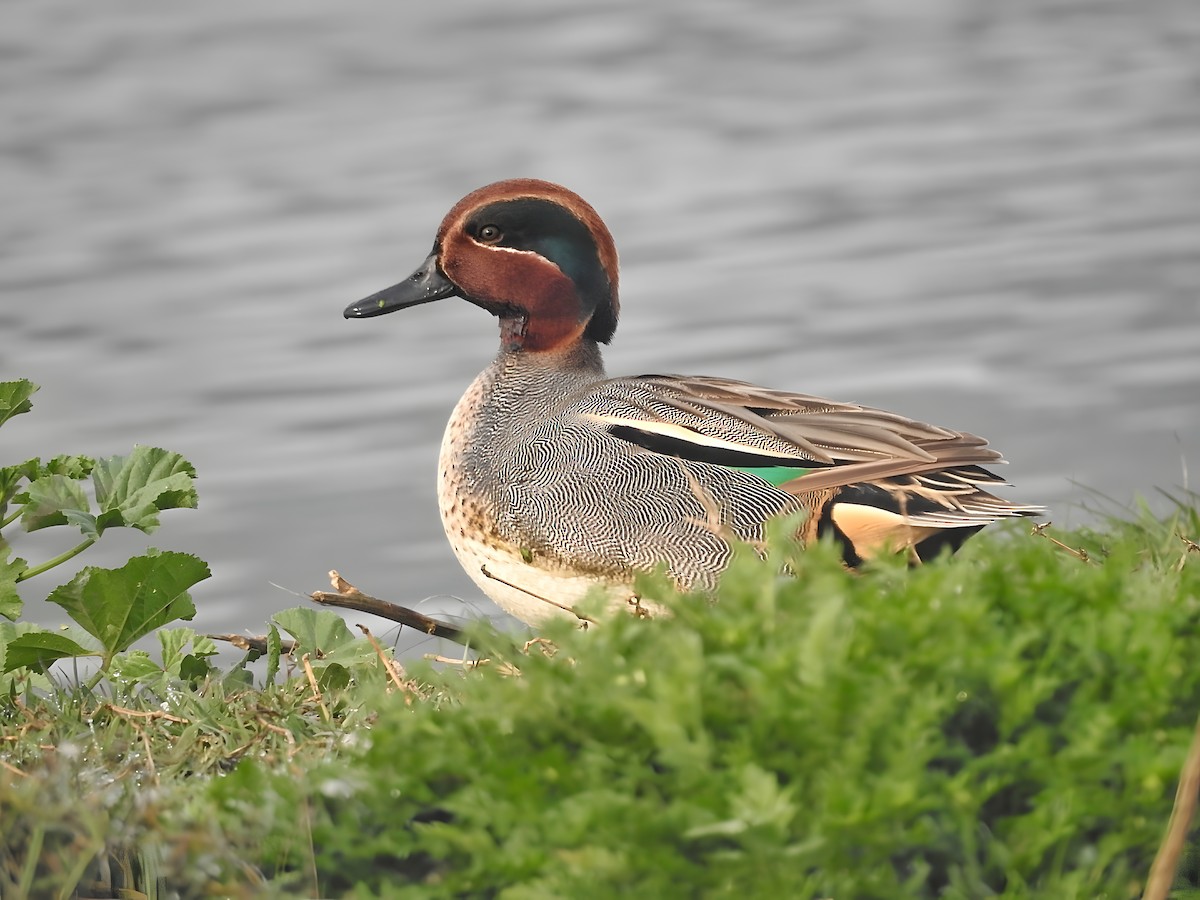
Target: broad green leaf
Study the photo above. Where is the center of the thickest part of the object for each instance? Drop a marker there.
(354, 653)
(9, 631)
(239, 678)
(333, 677)
(81, 637)
(173, 641)
(73, 466)
(38, 650)
(315, 630)
(203, 645)
(139, 666)
(324, 636)
(195, 668)
(12, 476)
(10, 569)
(136, 665)
(14, 398)
(131, 490)
(56, 500)
(118, 606)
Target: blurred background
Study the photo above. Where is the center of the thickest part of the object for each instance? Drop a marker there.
(981, 214)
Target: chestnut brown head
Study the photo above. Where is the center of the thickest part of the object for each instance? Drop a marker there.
(530, 252)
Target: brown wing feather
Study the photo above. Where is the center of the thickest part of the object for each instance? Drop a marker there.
(962, 450)
(839, 435)
(849, 444)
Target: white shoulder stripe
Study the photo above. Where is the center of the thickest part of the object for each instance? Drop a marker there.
(671, 430)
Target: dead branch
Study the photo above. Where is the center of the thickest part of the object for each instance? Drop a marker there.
(347, 596)
(1039, 530)
(249, 642)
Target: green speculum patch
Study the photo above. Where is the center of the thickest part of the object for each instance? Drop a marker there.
(775, 475)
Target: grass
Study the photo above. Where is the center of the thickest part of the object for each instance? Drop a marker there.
(1009, 722)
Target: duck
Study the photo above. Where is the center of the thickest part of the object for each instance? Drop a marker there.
(556, 480)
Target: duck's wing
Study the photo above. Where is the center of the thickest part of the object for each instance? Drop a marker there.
(861, 462)
(741, 425)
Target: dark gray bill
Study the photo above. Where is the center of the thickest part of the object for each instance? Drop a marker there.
(423, 286)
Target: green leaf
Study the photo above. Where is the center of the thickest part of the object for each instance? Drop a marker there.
(9, 631)
(324, 636)
(274, 648)
(57, 500)
(14, 398)
(118, 606)
(315, 630)
(238, 679)
(194, 668)
(10, 570)
(131, 490)
(203, 645)
(355, 653)
(12, 476)
(38, 650)
(136, 665)
(73, 466)
(333, 677)
(173, 641)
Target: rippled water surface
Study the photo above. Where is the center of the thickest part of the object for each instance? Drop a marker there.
(981, 214)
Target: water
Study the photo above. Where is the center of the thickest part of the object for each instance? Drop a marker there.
(984, 215)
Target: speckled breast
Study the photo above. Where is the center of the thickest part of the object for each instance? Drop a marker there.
(478, 522)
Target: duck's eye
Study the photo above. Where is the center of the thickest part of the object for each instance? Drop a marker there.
(490, 234)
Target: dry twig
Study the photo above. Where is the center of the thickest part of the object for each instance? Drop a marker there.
(1162, 872)
(287, 735)
(1189, 547)
(504, 668)
(1039, 530)
(347, 596)
(487, 573)
(248, 642)
(394, 669)
(146, 714)
(312, 682)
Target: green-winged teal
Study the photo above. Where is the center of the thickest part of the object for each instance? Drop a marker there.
(554, 478)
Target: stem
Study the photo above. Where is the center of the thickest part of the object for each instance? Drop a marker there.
(51, 563)
(1162, 873)
(12, 517)
(34, 854)
(77, 871)
(99, 676)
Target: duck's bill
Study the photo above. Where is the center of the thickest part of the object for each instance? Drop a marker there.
(423, 286)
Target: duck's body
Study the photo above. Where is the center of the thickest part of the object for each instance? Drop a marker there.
(554, 478)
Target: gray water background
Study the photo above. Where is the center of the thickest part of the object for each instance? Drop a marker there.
(983, 214)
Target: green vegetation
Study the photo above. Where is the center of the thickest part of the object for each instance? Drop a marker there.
(1010, 722)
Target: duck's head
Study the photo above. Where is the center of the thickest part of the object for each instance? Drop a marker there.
(529, 252)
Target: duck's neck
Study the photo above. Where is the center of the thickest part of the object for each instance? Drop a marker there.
(551, 316)
(512, 397)
(578, 360)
